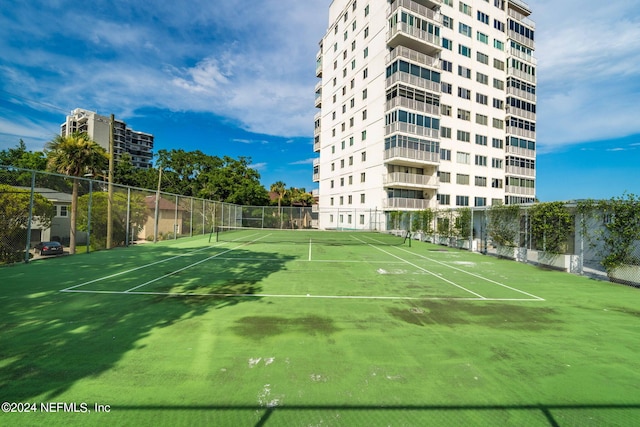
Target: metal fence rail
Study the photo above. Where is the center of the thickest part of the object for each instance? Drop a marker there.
(35, 207)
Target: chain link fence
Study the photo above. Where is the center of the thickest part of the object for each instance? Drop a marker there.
(602, 241)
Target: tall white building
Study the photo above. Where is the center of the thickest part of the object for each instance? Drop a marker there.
(423, 104)
(138, 144)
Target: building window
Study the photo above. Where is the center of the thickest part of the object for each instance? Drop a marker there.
(447, 22)
(464, 72)
(481, 140)
(462, 200)
(362, 177)
(445, 154)
(498, 64)
(463, 158)
(482, 78)
(364, 135)
(446, 88)
(362, 198)
(498, 84)
(361, 219)
(464, 114)
(481, 119)
(445, 177)
(366, 32)
(482, 37)
(444, 199)
(481, 160)
(365, 73)
(364, 94)
(481, 201)
(496, 163)
(445, 132)
(498, 124)
(482, 99)
(483, 17)
(447, 44)
(363, 156)
(462, 179)
(64, 211)
(464, 8)
(482, 58)
(464, 29)
(463, 136)
(464, 50)
(445, 110)
(497, 143)
(498, 44)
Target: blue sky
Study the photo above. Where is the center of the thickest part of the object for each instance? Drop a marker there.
(237, 79)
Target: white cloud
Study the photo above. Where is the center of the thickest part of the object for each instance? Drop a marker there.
(587, 71)
(303, 162)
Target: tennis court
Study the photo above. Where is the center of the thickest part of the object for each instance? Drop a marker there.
(263, 327)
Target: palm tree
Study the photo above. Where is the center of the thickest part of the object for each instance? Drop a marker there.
(280, 188)
(75, 155)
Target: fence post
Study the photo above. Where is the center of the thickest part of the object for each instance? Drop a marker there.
(27, 251)
(89, 216)
(128, 226)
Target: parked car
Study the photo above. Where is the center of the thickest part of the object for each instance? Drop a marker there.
(49, 248)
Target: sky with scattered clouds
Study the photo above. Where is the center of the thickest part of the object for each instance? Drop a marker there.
(228, 79)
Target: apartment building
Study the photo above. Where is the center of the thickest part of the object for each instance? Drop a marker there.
(423, 104)
(138, 144)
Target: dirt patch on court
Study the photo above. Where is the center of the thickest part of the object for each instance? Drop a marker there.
(493, 315)
(258, 327)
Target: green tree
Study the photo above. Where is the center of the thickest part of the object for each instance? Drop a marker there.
(99, 206)
(504, 224)
(75, 155)
(280, 188)
(617, 241)
(19, 157)
(551, 226)
(14, 217)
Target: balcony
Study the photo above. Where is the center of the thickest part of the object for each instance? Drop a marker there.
(414, 56)
(412, 104)
(521, 75)
(401, 203)
(521, 39)
(528, 134)
(410, 157)
(412, 130)
(520, 171)
(410, 180)
(318, 100)
(522, 94)
(403, 34)
(416, 81)
(316, 145)
(513, 111)
(520, 191)
(523, 56)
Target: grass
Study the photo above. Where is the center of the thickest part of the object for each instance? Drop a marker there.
(451, 338)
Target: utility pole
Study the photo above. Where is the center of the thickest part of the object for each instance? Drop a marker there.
(110, 186)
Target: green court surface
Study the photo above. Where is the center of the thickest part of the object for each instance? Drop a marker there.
(314, 329)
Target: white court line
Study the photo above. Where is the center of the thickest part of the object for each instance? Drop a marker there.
(423, 269)
(362, 297)
(193, 265)
(309, 248)
(137, 268)
(473, 274)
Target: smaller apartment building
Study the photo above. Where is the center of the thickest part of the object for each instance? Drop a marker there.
(125, 140)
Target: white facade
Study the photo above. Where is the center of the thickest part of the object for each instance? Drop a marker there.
(138, 144)
(423, 104)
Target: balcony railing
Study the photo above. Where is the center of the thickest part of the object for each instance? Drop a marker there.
(517, 170)
(411, 179)
(400, 203)
(523, 56)
(412, 104)
(419, 82)
(521, 39)
(407, 30)
(521, 191)
(522, 94)
(413, 156)
(412, 55)
(521, 75)
(412, 129)
(417, 9)
(521, 113)
(512, 130)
